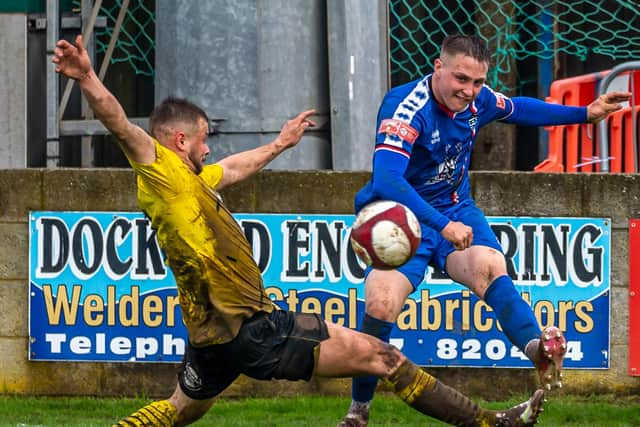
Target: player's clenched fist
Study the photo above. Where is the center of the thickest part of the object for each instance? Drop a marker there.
(459, 234)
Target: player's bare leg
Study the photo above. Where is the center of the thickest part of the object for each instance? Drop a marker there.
(385, 294)
(483, 270)
(352, 353)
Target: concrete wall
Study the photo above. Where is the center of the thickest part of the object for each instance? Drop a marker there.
(498, 193)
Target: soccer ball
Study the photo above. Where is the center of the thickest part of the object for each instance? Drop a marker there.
(385, 234)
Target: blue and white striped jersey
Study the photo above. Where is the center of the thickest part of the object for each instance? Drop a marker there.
(423, 149)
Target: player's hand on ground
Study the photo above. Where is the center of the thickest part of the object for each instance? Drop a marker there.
(459, 234)
(606, 104)
(72, 61)
(292, 131)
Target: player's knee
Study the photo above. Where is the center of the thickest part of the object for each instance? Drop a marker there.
(490, 266)
(497, 263)
(379, 358)
(390, 358)
(364, 347)
(381, 309)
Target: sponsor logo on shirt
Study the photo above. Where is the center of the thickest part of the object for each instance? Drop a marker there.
(444, 172)
(435, 137)
(398, 128)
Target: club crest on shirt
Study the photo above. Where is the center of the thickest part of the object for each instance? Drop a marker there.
(473, 122)
(500, 103)
(191, 378)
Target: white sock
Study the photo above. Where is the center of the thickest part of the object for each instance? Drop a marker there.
(359, 407)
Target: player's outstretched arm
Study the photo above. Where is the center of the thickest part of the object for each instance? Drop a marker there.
(606, 104)
(73, 62)
(242, 165)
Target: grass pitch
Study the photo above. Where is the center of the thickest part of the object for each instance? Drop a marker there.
(316, 411)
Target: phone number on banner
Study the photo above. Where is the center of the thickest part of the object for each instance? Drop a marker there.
(465, 351)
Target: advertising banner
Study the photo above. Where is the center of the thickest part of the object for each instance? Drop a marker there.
(100, 290)
(634, 297)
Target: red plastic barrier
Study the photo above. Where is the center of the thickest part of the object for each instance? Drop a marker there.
(576, 148)
(620, 129)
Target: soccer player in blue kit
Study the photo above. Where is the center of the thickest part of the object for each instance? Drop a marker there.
(426, 131)
(232, 326)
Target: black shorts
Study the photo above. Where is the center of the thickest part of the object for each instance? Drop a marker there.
(277, 345)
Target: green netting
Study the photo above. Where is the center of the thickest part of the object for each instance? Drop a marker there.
(136, 41)
(515, 30)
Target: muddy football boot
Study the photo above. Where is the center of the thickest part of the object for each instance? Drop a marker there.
(358, 416)
(548, 360)
(524, 414)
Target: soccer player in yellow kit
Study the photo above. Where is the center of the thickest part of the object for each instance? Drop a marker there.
(233, 327)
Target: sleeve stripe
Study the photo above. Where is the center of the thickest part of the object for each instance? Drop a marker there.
(510, 112)
(383, 147)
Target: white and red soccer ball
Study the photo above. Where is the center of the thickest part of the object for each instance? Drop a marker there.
(385, 234)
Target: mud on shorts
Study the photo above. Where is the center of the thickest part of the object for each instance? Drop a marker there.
(277, 345)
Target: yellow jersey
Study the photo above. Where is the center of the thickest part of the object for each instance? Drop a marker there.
(219, 282)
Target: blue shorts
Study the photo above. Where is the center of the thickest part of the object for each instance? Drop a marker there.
(434, 249)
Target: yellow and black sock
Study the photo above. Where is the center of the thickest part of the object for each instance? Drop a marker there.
(156, 414)
(428, 395)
